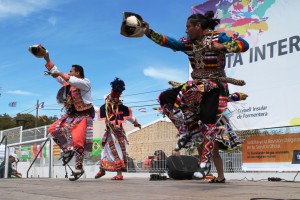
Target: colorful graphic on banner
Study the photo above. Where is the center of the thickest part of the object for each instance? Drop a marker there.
(269, 68)
(272, 153)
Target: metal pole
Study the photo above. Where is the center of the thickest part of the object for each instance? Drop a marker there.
(51, 161)
(36, 113)
(6, 159)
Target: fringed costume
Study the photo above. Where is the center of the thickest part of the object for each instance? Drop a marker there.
(196, 107)
(73, 132)
(114, 141)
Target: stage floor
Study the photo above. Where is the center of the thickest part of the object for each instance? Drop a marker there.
(143, 188)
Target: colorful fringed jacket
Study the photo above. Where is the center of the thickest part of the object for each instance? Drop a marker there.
(205, 63)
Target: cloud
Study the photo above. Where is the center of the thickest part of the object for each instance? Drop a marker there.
(52, 20)
(13, 8)
(20, 92)
(166, 74)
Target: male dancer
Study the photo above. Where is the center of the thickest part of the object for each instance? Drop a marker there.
(196, 106)
(73, 132)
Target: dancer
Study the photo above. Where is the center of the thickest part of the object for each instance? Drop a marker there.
(73, 132)
(226, 140)
(196, 106)
(114, 141)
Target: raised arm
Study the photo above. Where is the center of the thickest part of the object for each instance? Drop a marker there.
(163, 40)
(233, 44)
(83, 84)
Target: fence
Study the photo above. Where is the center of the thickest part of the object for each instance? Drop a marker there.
(26, 144)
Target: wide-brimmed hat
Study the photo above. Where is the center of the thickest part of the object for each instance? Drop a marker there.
(38, 50)
(15, 156)
(132, 25)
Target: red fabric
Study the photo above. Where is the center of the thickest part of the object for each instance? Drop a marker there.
(115, 95)
(78, 132)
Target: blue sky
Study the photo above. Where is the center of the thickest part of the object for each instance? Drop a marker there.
(88, 33)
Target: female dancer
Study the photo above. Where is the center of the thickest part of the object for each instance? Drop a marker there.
(114, 141)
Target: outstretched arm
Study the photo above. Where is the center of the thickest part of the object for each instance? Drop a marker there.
(163, 40)
(233, 44)
(135, 122)
(53, 69)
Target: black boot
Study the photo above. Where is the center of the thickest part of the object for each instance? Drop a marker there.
(67, 156)
(76, 174)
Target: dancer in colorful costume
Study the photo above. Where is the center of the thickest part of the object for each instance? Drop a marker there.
(73, 132)
(226, 140)
(196, 106)
(114, 141)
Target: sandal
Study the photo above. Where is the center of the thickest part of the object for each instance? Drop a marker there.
(100, 174)
(215, 180)
(76, 174)
(118, 177)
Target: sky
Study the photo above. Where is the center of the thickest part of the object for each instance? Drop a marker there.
(88, 33)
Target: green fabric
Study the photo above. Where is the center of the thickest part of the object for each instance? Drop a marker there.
(97, 147)
(45, 151)
(26, 152)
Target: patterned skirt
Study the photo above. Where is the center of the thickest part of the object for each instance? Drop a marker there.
(114, 155)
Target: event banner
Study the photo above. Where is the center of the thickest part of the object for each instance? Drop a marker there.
(270, 67)
(272, 153)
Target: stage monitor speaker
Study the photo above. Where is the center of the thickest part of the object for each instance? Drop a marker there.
(296, 157)
(181, 167)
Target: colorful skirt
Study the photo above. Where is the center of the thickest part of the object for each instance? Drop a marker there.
(114, 155)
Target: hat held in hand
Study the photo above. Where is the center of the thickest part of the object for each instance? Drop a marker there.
(132, 25)
(38, 50)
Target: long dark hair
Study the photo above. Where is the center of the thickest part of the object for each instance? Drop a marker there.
(206, 20)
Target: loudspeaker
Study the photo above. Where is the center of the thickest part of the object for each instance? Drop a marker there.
(181, 167)
(296, 157)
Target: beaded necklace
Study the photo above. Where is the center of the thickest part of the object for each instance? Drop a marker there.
(199, 48)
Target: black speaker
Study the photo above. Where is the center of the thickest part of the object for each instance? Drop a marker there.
(296, 157)
(181, 167)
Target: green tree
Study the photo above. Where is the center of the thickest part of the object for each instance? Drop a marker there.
(26, 120)
(6, 122)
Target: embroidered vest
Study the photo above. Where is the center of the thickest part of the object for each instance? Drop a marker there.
(74, 97)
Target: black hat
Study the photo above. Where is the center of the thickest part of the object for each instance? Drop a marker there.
(132, 25)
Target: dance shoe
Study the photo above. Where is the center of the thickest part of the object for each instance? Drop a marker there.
(100, 174)
(215, 180)
(118, 178)
(76, 174)
(183, 140)
(202, 172)
(68, 155)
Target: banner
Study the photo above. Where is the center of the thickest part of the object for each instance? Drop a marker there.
(97, 146)
(29, 152)
(272, 153)
(56, 151)
(26, 152)
(270, 67)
